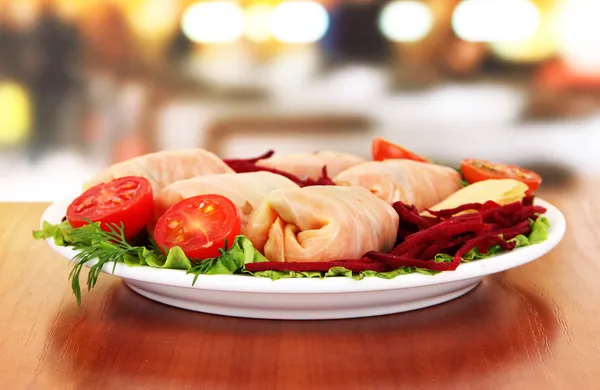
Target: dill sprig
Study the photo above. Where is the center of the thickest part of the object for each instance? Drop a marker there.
(205, 265)
(96, 244)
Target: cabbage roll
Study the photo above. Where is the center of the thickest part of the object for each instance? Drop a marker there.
(322, 223)
(310, 165)
(415, 183)
(245, 190)
(164, 168)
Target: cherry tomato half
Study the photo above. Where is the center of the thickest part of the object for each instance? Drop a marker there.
(479, 170)
(199, 226)
(127, 200)
(384, 150)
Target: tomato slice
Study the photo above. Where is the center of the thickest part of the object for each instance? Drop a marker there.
(199, 226)
(479, 170)
(384, 150)
(127, 200)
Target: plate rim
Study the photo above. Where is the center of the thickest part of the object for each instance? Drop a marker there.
(335, 285)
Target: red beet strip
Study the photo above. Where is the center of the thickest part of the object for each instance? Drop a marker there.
(249, 165)
(409, 214)
(250, 160)
(324, 180)
(395, 262)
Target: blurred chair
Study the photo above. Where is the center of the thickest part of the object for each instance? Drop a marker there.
(318, 132)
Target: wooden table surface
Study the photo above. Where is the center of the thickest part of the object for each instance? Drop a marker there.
(534, 327)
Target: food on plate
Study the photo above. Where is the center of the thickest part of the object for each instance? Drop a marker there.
(417, 183)
(385, 150)
(479, 170)
(500, 191)
(310, 165)
(285, 217)
(200, 226)
(321, 223)
(164, 168)
(127, 200)
(245, 190)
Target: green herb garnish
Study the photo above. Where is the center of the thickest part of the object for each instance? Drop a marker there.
(463, 182)
(96, 244)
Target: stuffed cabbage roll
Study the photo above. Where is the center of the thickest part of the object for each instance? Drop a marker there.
(310, 165)
(164, 168)
(245, 190)
(420, 184)
(321, 223)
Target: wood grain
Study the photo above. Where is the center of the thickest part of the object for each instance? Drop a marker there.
(534, 327)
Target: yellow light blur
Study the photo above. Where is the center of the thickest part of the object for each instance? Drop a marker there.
(153, 19)
(300, 21)
(213, 22)
(256, 27)
(406, 20)
(543, 45)
(15, 113)
(495, 20)
(579, 31)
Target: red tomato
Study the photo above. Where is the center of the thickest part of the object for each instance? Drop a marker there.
(199, 226)
(126, 200)
(479, 170)
(384, 150)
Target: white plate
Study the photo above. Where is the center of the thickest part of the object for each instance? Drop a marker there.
(307, 299)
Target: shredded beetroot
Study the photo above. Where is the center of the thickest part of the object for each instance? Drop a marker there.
(511, 232)
(410, 215)
(456, 234)
(249, 165)
(352, 265)
(442, 230)
(528, 200)
(442, 246)
(484, 241)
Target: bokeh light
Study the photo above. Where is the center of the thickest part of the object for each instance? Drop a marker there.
(257, 22)
(578, 34)
(213, 22)
(299, 22)
(406, 20)
(154, 19)
(14, 113)
(495, 20)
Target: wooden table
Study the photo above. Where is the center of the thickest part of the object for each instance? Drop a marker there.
(534, 327)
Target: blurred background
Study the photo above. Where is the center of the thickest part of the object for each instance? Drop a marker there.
(84, 83)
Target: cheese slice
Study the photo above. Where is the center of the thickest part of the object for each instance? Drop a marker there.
(503, 192)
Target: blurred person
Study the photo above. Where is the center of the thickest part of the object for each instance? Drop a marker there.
(117, 89)
(180, 49)
(8, 45)
(47, 53)
(354, 33)
(112, 47)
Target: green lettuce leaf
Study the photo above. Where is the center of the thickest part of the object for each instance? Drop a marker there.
(242, 252)
(233, 260)
(539, 231)
(276, 275)
(341, 271)
(60, 233)
(175, 259)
